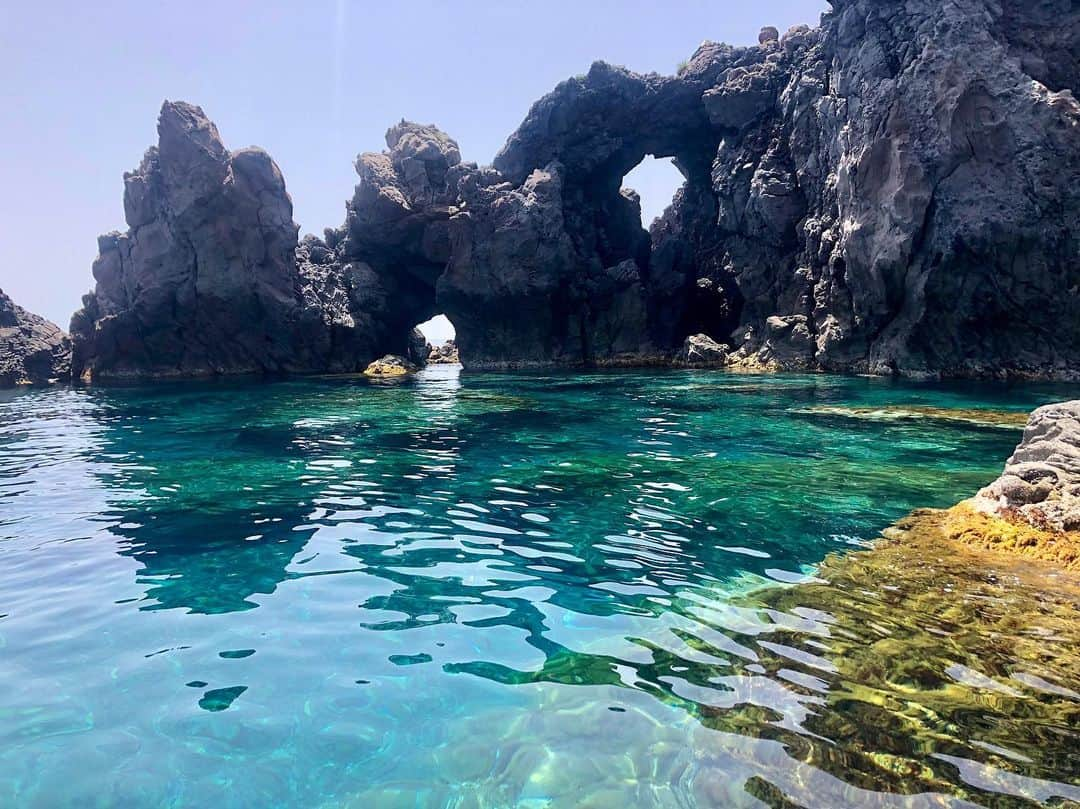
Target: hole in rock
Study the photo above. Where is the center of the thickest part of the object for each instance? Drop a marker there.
(656, 179)
(440, 334)
(438, 330)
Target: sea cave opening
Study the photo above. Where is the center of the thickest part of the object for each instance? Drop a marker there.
(656, 181)
(441, 335)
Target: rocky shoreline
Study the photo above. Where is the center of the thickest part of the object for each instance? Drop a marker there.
(33, 351)
(894, 192)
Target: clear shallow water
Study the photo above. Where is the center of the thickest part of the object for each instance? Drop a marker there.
(460, 591)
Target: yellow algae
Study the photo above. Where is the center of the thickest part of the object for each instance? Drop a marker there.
(983, 418)
(1002, 534)
(389, 367)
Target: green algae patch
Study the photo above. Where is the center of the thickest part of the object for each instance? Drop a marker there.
(941, 652)
(1008, 419)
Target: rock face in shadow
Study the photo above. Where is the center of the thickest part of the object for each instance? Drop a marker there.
(894, 192)
(385, 261)
(33, 351)
(205, 281)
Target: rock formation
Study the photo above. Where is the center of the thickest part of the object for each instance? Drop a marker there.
(905, 197)
(1033, 509)
(701, 351)
(206, 279)
(1041, 481)
(33, 351)
(446, 354)
(388, 256)
(389, 367)
(894, 192)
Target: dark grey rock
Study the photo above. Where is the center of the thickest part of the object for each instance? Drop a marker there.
(894, 192)
(205, 280)
(33, 351)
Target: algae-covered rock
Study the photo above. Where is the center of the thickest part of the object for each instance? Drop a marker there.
(920, 653)
(390, 366)
(1006, 419)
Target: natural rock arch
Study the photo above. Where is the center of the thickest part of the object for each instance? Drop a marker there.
(832, 218)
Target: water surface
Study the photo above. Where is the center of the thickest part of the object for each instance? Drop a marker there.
(475, 591)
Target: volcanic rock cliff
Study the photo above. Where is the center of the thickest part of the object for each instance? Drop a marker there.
(206, 279)
(33, 351)
(896, 191)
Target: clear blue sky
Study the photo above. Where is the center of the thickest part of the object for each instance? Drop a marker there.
(313, 83)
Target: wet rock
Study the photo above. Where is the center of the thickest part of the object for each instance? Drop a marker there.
(700, 350)
(1041, 481)
(33, 351)
(390, 366)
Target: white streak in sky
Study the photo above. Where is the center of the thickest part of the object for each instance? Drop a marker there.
(339, 62)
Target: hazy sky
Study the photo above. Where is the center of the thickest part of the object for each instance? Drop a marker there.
(313, 83)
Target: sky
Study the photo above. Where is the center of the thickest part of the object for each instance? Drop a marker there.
(314, 83)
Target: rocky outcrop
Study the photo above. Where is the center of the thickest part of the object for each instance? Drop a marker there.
(384, 262)
(206, 279)
(894, 192)
(701, 351)
(389, 367)
(446, 354)
(1041, 481)
(1033, 509)
(902, 192)
(33, 351)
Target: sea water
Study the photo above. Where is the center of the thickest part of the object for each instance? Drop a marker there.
(463, 590)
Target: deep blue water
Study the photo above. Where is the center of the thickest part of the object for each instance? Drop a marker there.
(461, 591)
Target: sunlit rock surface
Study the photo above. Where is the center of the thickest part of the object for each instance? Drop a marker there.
(1041, 481)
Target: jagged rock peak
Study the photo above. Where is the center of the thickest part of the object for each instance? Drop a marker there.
(205, 279)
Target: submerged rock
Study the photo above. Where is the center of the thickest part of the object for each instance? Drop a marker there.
(1005, 419)
(390, 366)
(33, 351)
(964, 655)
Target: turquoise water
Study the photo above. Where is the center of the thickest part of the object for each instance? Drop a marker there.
(466, 591)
